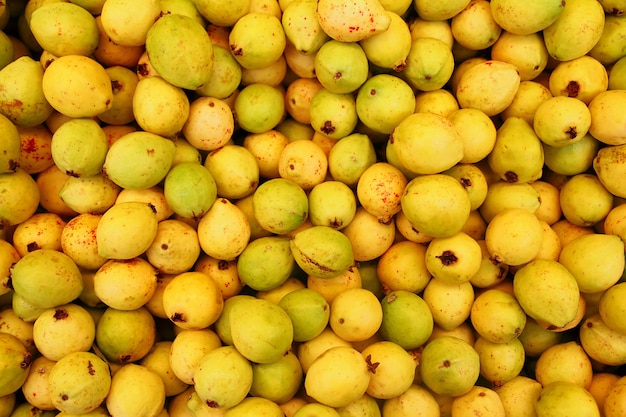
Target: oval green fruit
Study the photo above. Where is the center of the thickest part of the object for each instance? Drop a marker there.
(262, 331)
(47, 278)
(333, 114)
(309, 313)
(15, 363)
(125, 336)
(341, 67)
(265, 263)
(180, 51)
(280, 205)
(259, 107)
(278, 381)
(407, 320)
(449, 366)
(139, 160)
(322, 251)
(190, 190)
(222, 325)
(383, 101)
(350, 157)
(79, 147)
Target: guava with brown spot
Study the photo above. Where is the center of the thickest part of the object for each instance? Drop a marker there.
(322, 251)
(22, 98)
(79, 382)
(333, 114)
(125, 336)
(449, 366)
(223, 377)
(15, 361)
(407, 319)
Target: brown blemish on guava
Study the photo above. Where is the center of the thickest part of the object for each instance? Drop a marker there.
(222, 265)
(335, 223)
(400, 67)
(510, 177)
(142, 70)
(90, 369)
(328, 127)
(13, 165)
(26, 361)
(32, 246)
(116, 85)
(571, 132)
(501, 271)
(385, 220)
(371, 367)
(465, 182)
(178, 318)
(237, 51)
(447, 257)
(60, 314)
(572, 89)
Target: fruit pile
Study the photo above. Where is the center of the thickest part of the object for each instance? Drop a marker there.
(373, 208)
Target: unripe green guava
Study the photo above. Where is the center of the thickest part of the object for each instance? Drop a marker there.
(79, 147)
(322, 251)
(261, 330)
(449, 366)
(47, 278)
(139, 159)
